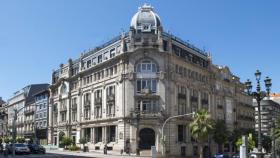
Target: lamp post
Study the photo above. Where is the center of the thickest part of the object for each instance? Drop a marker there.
(162, 129)
(259, 95)
(273, 139)
(137, 114)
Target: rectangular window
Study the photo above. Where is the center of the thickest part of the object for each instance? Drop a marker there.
(181, 133)
(98, 134)
(139, 86)
(112, 53)
(99, 58)
(88, 63)
(150, 84)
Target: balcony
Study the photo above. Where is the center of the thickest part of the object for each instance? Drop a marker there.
(204, 101)
(194, 99)
(181, 96)
(98, 101)
(63, 108)
(111, 97)
(74, 106)
(146, 91)
(29, 132)
(87, 103)
(28, 121)
(220, 106)
(29, 111)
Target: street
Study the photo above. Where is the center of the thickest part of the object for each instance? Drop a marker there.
(77, 154)
(48, 155)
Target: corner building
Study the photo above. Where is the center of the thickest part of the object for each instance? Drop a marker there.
(126, 88)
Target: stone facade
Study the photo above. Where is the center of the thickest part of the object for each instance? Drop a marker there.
(41, 116)
(270, 111)
(120, 93)
(23, 102)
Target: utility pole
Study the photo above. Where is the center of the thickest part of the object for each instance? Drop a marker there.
(14, 131)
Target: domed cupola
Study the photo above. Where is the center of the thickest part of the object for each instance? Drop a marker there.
(145, 20)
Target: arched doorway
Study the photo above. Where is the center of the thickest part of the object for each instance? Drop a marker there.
(60, 136)
(147, 138)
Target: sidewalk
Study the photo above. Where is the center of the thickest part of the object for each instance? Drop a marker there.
(111, 154)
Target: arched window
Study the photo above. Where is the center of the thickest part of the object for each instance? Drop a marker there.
(146, 66)
(63, 88)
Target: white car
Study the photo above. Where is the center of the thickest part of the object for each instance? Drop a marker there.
(21, 149)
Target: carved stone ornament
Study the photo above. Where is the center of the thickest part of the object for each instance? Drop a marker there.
(161, 75)
(131, 76)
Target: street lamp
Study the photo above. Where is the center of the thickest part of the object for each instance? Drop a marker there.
(259, 95)
(165, 122)
(137, 113)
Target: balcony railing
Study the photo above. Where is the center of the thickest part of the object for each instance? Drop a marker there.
(220, 106)
(98, 101)
(63, 108)
(29, 111)
(111, 97)
(74, 106)
(87, 103)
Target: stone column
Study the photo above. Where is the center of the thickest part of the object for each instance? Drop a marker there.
(189, 108)
(93, 135)
(199, 100)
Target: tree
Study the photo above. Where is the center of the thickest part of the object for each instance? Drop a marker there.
(251, 143)
(7, 140)
(20, 140)
(220, 134)
(66, 141)
(83, 141)
(201, 126)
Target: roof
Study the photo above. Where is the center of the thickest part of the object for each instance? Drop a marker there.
(35, 88)
(275, 94)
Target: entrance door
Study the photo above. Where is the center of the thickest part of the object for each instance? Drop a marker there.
(183, 151)
(147, 138)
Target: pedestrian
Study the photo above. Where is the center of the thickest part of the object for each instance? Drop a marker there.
(105, 149)
(5, 148)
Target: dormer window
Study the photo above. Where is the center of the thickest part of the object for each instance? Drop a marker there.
(63, 88)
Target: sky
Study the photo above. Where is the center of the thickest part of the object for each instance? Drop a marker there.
(36, 36)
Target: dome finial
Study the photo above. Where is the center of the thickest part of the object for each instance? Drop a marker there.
(145, 19)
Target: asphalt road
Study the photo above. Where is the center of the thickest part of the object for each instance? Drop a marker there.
(45, 156)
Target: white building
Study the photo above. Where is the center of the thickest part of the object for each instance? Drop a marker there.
(126, 88)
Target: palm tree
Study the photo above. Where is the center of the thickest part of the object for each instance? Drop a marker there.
(201, 126)
(221, 134)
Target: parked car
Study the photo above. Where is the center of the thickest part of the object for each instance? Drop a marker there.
(36, 149)
(19, 148)
(220, 156)
(236, 156)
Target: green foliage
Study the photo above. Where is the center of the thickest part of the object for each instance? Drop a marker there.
(1, 140)
(20, 140)
(201, 127)
(66, 141)
(7, 140)
(220, 133)
(74, 148)
(83, 141)
(251, 142)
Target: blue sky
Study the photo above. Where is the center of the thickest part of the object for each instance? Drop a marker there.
(36, 35)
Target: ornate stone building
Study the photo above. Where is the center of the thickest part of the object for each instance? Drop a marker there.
(23, 102)
(120, 93)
